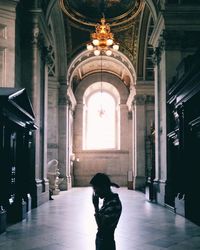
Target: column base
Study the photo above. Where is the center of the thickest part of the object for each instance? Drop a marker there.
(41, 192)
(66, 183)
(130, 180)
(159, 186)
(139, 183)
(150, 191)
(130, 185)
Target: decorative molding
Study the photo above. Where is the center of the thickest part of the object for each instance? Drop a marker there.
(50, 61)
(87, 58)
(139, 99)
(65, 100)
(157, 54)
(35, 36)
(133, 10)
(143, 99)
(150, 99)
(52, 145)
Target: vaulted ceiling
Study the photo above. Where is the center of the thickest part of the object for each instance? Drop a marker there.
(81, 17)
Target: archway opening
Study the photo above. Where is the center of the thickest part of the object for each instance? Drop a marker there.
(101, 117)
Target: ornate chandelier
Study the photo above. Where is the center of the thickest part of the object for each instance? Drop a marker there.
(102, 40)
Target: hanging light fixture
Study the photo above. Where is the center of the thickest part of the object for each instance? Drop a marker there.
(102, 40)
(101, 111)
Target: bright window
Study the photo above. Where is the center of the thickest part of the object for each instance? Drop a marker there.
(101, 121)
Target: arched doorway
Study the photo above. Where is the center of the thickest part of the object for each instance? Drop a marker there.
(92, 149)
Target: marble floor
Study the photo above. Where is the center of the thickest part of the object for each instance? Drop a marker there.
(67, 222)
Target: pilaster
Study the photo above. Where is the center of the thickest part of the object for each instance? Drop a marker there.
(173, 38)
(35, 79)
(139, 121)
(64, 134)
(7, 42)
(53, 89)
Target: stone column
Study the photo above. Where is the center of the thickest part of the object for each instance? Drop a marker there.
(78, 131)
(63, 140)
(132, 134)
(124, 143)
(7, 42)
(166, 58)
(53, 86)
(156, 59)
(139, 130)
(34, 77)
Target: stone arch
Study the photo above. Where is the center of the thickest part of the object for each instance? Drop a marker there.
(105, 87)
(153, 9)
(105, 77)
(55, 18)
(86, 63)
(144, 46)
(111, 163)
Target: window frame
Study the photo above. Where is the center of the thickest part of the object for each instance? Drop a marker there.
(108, 88)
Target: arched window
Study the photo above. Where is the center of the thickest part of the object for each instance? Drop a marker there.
(101, 121)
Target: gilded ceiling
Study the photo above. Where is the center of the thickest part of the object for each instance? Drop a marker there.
(88, 12)
(80, 17)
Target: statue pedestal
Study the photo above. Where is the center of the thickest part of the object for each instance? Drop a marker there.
(180, 205)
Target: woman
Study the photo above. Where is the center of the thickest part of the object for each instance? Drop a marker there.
(108, 215)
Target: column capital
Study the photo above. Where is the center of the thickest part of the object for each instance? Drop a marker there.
(150, 99)
(65, 100)
(139, 100)
(156, 57)
(35, 35)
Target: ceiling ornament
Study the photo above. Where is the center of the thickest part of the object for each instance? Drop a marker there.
(102, 40)
(88, 12)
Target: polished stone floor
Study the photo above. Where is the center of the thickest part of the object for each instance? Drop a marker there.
(67, 222)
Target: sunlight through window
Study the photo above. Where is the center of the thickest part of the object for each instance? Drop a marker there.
(101, 121)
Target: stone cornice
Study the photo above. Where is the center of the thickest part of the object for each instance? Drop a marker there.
(146, 89)
(182, 17)
(141, 90)
(139, 100)
(8, 8)
(176, 19)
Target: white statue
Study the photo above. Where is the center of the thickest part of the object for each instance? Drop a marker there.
(52, 175)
